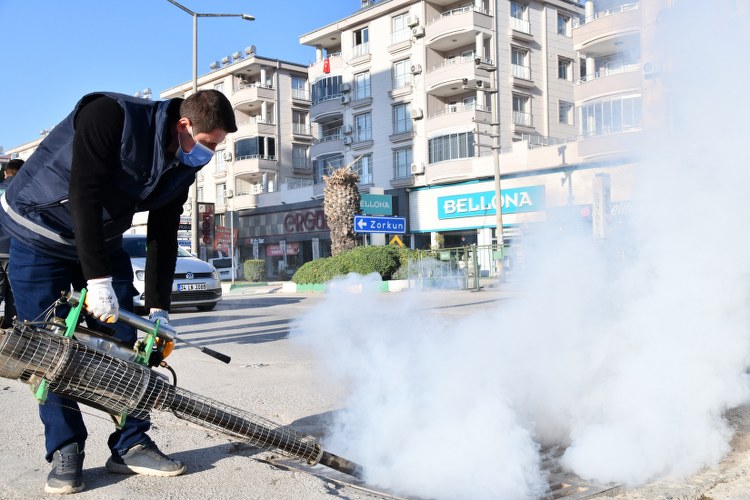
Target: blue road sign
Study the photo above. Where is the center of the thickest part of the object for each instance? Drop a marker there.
(390, 225)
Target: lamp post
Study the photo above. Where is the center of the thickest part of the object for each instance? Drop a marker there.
(229, 196)
(194, 243)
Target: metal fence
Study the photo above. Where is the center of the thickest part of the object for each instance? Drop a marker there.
(461, 268)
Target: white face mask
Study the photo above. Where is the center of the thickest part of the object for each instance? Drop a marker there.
(199, 156)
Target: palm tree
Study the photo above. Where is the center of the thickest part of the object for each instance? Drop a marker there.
(340, 204)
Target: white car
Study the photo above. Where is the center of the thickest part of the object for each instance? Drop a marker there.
(196, 283)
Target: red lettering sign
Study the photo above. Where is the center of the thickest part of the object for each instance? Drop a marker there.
(305, 221)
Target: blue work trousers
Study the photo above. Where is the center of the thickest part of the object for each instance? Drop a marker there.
(38, 281)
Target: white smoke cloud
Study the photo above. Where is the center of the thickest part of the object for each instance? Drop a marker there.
(626, 353)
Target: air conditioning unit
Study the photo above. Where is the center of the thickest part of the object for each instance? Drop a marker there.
(417, 114)
(417, 168)
(345, 87)
(347, 129)
(412, 21)
(345, 99)
(649, 70)
(227, 156)
(480, 84)
(347, 141)
(417, 32)
(416, 69)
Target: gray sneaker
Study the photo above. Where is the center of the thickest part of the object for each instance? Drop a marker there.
(66, 475)
(146, 460)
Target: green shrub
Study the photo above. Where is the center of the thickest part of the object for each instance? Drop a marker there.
(255, 270)
(384, 260)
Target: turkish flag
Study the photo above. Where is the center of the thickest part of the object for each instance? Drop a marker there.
(326, 65)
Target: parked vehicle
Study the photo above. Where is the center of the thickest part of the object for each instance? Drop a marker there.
(196, 283)
(224, 266)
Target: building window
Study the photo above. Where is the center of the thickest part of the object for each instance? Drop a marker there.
(401, 74)
(522, 110)
(608, 116)
(564, 68)
(362, 85)
(361, 42)
(363, 127)
(402, 163)
(519, 17)
(401, 119)
(299, 157)
(519, 59)
(221, 195)
(219, 86)
(400, 31)
(582, 69)
(363, 167)
(325, 165)
(199, 195)
(563, 24)
(221, 165)
(326, 89)
(255, 147)
(299, 122)
(451, 147)
(565, 112)
(299, 88)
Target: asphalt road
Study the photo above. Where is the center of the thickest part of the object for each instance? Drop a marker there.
(271, 377)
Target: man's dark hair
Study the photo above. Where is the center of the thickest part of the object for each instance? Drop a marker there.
(14, 166)
(208, 110)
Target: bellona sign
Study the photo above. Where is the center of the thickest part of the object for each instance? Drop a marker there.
(516, 200)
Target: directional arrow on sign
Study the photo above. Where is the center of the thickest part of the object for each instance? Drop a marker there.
(361, 223)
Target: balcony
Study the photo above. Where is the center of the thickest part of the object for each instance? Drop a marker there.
(458, 113)
(300, 96)
(457, 27)
(333, 143)
(602, 82)
(252, 167)
(605, 26)
(446, 79)
(520, 29)
(302, 130)
(613, 144)
(336, 65)
(256, 125)
(247, 98)
(326, 107)
(522, 122)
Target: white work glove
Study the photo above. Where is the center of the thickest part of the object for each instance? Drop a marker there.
(161, 315)
(101, 301)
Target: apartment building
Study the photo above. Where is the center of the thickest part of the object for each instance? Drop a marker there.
(268, 153)
(416, 93)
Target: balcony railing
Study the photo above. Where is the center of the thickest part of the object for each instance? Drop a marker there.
(519, 71)
(458, 11)
(603, 13)
(301, 128)
(256, 157)
(458, 108)
(250, 85)
(522, 118)
(520, 25)
(455, 60)
(301, 94)
(361, 50)
(255, 120)
(325, 98)
(336, 136)
(400, 36)
(625, 68)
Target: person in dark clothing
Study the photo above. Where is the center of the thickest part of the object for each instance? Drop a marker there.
(6, 294)
(113, 156)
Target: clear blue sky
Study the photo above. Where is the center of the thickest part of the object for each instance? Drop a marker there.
(54, 51)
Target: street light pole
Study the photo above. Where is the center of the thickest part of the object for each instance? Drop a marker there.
(194, 233)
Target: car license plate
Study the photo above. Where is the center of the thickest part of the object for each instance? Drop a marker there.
(189, 287)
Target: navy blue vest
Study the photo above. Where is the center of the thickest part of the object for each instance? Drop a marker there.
(35, 207)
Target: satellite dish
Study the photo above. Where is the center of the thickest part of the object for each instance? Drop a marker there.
(237, 55)
(215, 65)
(225, 60)
(250, 50)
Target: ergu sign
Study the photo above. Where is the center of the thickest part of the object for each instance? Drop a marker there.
(516, 200)
(305, 221)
